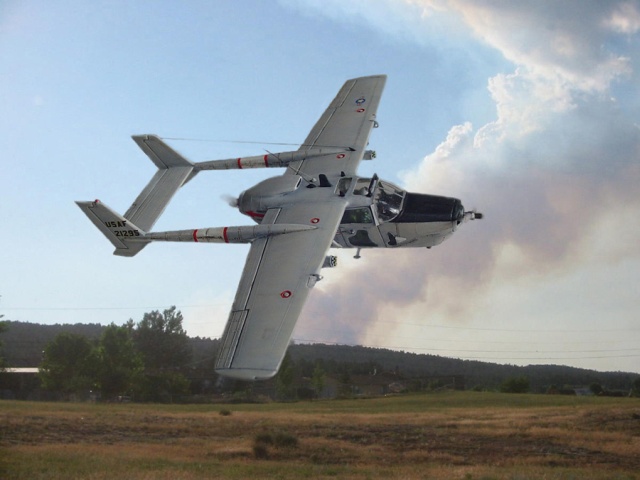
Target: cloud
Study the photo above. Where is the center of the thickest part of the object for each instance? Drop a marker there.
(398, 20)
(553, 173)
(624, 18)
(562, 40)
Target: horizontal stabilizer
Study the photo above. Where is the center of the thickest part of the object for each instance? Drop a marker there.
(122, 233)
(173, 171)
(159, 152)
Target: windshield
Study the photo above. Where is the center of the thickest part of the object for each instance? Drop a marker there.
(388, 200)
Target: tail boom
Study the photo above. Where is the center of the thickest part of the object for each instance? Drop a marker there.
(270, 160)
(130, 233)
(241, 234)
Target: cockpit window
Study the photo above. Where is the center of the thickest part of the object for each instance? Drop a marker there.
(343, 186)
(388, 200)
(362, 186)
(357, 215)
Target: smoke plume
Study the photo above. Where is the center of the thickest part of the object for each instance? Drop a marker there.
(553, 173)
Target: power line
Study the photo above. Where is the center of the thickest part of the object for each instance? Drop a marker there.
(528, 342)
(58, 309)
(426, 349)
(494, 329)
(250, 142)
(396, 323)
(405, 348)
(210, 140)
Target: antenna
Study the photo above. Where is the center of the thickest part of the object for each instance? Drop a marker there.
(306, 177)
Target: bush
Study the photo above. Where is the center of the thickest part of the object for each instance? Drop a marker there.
(260, 451)
(285, 440)
(262, 441)
(264, 438)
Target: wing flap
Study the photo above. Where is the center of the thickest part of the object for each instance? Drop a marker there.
(231, 337)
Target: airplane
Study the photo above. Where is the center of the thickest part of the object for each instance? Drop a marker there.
(319, 202)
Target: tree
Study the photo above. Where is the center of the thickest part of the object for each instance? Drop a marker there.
(635, 388)
(120, 365)
(345, 388)
(163, 387)
(596, 388)
(515, 385)
(165, 349)
(284, 378)
(69, 364)
(3, 328)
(317, 379)
(161, 340)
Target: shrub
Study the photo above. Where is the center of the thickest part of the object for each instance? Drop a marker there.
(260, 451)
(285, 440)
(264, 438)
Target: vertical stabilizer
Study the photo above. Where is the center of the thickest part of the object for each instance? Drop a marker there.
(127, 237)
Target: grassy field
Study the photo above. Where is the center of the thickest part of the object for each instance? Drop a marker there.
(455, 435)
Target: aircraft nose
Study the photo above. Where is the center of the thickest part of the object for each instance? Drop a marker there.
(422, 208)
(458, 211)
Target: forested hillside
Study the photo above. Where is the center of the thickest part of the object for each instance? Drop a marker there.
(476, 374)
(23, 344)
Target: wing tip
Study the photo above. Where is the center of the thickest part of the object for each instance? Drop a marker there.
(247, 374)
(380, 76)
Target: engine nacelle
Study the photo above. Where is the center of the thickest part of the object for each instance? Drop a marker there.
(267, 194)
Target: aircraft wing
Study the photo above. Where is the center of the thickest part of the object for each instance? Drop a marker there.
(346, 123)
(278, 274)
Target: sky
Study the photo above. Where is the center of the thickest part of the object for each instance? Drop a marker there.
(527, 111)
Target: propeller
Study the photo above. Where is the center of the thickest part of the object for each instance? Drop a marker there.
(473, 215)
(230, 200)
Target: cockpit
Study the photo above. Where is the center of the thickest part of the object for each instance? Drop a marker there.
(388, 200)
(382, 214)
(390, 203)
(384, 198)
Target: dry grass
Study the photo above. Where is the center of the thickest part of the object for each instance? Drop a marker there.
(445, 436)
